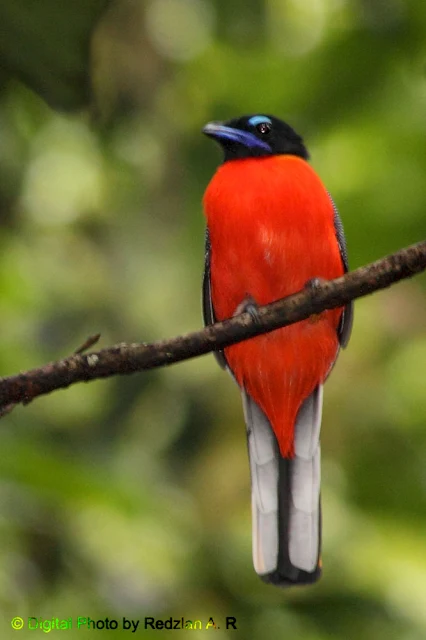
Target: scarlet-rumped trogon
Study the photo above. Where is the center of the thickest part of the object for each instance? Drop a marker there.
(272, 227)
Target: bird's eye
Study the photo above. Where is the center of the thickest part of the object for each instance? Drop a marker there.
(263, 127)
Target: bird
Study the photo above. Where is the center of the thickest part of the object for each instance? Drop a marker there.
(272, 230)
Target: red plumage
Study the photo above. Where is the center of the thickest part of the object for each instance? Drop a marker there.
(271, 225)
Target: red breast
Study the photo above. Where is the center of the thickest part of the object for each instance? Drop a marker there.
(271, 224)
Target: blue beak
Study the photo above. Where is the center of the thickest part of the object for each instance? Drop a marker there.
(221, 132)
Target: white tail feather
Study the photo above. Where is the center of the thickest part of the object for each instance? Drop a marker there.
(305, 485)
(264, 482)
(304, 512)
(303, 516)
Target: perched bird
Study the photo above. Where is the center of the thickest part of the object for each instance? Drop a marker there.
(272, 228)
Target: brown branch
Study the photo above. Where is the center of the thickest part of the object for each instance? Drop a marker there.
(127, 358)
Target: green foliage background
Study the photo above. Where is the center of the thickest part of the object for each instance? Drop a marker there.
(131, 496)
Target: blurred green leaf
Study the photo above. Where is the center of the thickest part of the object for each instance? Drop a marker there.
(131, 496)
(46, 44)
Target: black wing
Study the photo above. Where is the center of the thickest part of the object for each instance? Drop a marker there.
(208, 311)
(345, 326)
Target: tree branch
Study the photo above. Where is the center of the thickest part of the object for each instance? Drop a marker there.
(128, 358)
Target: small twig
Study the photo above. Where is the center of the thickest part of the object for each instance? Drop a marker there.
(91, 340)
(128, 358)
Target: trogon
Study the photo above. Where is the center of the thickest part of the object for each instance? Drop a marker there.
(273, 228)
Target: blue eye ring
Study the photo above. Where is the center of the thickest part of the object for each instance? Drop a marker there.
(254, 121)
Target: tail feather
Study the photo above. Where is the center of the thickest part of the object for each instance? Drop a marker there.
(264, 481)
(305, 485)
(286, 507)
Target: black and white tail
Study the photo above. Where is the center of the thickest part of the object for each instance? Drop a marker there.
(286, 504)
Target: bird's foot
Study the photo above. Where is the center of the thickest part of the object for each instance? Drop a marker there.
(250, 306)
(314, 283)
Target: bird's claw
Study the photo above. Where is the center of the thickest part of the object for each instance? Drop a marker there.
(314, 283)
(250, 306)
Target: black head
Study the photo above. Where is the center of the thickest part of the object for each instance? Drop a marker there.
(256, 136)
